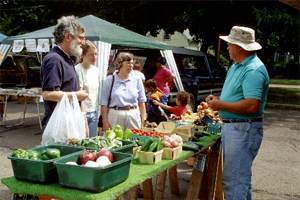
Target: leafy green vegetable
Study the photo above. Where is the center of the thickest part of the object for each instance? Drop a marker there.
(99, 142)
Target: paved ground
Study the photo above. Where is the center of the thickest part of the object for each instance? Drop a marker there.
(276, 169)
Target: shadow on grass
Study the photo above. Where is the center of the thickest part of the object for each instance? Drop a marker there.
(284, 96)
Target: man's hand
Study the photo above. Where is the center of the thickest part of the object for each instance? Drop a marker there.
(81, 95)
(210, 97)
(106, 126)
(214, 103)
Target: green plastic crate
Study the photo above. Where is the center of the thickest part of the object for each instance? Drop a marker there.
(93, 179)
(40, 171)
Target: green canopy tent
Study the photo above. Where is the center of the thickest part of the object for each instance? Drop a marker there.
(99, 30)
(106, 36)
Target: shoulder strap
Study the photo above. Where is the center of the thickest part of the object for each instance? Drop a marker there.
(112, 85)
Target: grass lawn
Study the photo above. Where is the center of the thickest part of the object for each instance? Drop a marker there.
(284, 96)
(285, 81)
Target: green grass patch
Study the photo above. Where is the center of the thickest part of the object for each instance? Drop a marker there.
(285, 81)
(284, 96)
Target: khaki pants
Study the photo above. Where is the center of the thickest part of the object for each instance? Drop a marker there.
(125, 118)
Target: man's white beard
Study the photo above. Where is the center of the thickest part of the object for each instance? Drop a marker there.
(76, 50)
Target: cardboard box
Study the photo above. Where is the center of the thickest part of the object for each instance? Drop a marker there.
(171, 153)
(167, 128)
(150, 157)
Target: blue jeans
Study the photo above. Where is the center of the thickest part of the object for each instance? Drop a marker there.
(92, 120)
(164, 99)
(241, 142)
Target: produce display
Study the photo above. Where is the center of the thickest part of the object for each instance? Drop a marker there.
(50, 153)
(97, 142)
(117, 133)
(47, 154)
(89, 158)
(150, 124)
(152, 145)
(203, 109)
(141, 132)
(171, 141)
(174, 117)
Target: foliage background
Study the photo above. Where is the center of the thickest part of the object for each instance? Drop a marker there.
(276, 24)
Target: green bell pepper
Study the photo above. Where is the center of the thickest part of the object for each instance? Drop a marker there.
(110, 134)
(127, 134)
(33, 154)
(119, 132)
(50, 153)
(20, 153)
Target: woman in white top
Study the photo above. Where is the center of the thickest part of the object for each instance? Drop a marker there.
(89, 81)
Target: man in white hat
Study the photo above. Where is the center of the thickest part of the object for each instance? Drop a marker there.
(241, 107)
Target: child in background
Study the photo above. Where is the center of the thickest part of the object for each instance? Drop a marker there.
(153, 90)
(182, 99)
(137, 69)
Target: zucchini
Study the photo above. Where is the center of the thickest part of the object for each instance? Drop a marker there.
(147, 143)
(160, 144)
(190, 146)
(153, 146)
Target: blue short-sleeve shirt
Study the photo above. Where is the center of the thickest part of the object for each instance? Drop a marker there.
(248, 79)
(124, 93)
(57, 73)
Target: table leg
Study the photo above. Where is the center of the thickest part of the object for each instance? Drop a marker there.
(219, 190)
(38, 109)
(160, 185)
(213, 169)
(132, 193)
(196, 178)
(173, 179)
(120, 197)
(148, 189)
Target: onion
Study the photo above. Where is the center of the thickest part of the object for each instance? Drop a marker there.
(105, 152)
(71, 163)
(166, 138)
(177, 138)
(91, 164)
(166, 144)
(86, 156)
(103, 161)
(174, 143)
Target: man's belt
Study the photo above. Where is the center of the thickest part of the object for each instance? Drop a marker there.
(124, 108)
(242, 120)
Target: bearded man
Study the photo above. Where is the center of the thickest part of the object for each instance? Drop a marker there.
(58, 75)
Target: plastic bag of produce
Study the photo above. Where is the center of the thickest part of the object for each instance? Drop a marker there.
(67, 121)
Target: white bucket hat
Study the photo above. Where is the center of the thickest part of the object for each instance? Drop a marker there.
(243, 37)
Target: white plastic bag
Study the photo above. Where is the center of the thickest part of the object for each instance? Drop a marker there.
(66, 122)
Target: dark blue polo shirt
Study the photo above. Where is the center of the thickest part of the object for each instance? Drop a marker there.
(57, 73)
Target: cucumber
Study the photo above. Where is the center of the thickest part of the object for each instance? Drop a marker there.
(147, 143)
(190, 146)
(153, 146)
(160, 144)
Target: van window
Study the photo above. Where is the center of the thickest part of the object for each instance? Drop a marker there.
(8, 64)
(186, 63)
(33, 64)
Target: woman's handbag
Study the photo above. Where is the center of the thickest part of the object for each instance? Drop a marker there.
(66, 122)
(100, 124)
